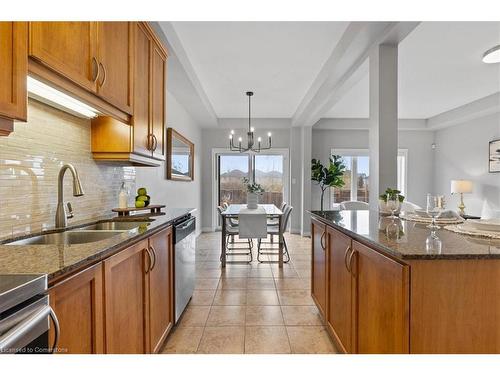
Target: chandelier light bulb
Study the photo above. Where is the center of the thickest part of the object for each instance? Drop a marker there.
(252, 129)
(259, 139)
(232, 132)
(269, 134)
(230, 136)
(240, 139)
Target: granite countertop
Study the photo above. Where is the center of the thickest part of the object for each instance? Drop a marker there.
(369, 228)
(58, 260)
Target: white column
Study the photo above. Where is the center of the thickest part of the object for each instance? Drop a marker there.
(306, 141)
(383, 138)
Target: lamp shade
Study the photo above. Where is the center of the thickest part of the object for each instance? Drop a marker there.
(461, 186)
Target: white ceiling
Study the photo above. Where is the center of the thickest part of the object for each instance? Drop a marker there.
(440, 68)
(276, 60)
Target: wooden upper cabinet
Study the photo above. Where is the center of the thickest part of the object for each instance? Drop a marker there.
(69, 48)
(341, 317)
(126, 300)
(158, 67)
(13, 72)
(78, 304)
(161, 283)
(141, 120)
(319, 265)
(382, 302)
(115, 52)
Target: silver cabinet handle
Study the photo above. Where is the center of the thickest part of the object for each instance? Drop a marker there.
(95, 68)
(349, 262)
(321, 240)
(155, 142)
(57, 329)
(153, 251)
(148, 268)
(105, 75)
(345, 258)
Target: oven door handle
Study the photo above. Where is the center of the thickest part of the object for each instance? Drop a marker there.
(9, 339)
(57, 329)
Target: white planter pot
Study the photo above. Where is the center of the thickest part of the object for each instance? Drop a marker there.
(252, 200)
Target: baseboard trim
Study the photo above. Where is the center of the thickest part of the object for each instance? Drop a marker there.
(207, 229)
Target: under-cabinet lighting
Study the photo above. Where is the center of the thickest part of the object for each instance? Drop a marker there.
(55, 98)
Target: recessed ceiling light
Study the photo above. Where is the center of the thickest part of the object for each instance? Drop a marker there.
(55, 98)
(492, 55)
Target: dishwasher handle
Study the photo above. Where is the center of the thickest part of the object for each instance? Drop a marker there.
(184, 229)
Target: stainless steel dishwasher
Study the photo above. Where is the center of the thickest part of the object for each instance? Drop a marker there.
(184, 255)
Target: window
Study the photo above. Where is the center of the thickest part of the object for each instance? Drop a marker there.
(357, 175)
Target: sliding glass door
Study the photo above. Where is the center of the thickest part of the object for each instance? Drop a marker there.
(268, 169)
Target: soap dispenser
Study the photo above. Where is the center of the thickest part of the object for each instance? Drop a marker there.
(123, 197)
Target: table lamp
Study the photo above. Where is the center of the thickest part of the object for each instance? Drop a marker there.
(461, 187)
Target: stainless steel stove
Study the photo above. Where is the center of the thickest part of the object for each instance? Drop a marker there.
(24, 315)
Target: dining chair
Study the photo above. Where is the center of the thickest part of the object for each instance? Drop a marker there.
(274, 230)
(231, 231)
(354, 205)
(275, 221)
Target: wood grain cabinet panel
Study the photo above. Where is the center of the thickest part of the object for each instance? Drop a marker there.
(161, 293)
(319, 265)
(158, 67)
(382, 302)
(13, 72)
(116, 56)
(78, 304)
(126, 300)
(69, 48)
(341, 286)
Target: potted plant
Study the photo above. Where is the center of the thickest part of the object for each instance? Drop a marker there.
(253, 192)
(389, 192)
(333, 176)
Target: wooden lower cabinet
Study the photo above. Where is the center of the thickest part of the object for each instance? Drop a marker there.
(341, 286)
(161, 296)
(126, 300)
(319, 266)
(382, 300)
(78, 304)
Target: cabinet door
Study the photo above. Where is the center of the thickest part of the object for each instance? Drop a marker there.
(161, 298)
(141, 120)
(340, 288)
(115, 55)
(382, 302)
(13, 70)
(126, 300)
(69, 48)
(319, 263)
(158, 67)
(78, 304)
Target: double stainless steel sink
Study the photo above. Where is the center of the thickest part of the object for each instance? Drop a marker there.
(90, 233)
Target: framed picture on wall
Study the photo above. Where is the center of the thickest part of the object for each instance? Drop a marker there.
(494, 156)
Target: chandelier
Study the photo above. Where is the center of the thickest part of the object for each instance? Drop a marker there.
(250, 136)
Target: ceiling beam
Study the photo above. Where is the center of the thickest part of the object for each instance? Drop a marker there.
(183, 82)
(470, 111)
(342, 69)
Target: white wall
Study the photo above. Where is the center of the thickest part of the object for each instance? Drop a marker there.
(462, 153)
(420, 158)
(177, 194)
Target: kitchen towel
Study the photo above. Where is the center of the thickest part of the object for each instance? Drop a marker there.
(252, 223)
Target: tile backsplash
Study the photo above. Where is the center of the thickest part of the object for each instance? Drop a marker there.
(30, 160)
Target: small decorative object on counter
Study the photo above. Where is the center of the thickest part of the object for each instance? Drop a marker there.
(142, 199)
(253, 192)
(388, 202)
(123, 196)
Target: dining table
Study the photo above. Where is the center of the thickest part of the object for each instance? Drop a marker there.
(233, 211)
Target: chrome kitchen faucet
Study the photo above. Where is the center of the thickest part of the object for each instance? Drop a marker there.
(61, 215)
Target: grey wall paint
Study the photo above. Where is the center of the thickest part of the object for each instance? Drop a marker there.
(176, 193)
(462, 153)
(420, 158)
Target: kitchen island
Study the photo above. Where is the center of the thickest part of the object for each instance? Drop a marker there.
(384, 286)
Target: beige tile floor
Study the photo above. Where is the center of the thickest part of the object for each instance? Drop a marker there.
(250, 308)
